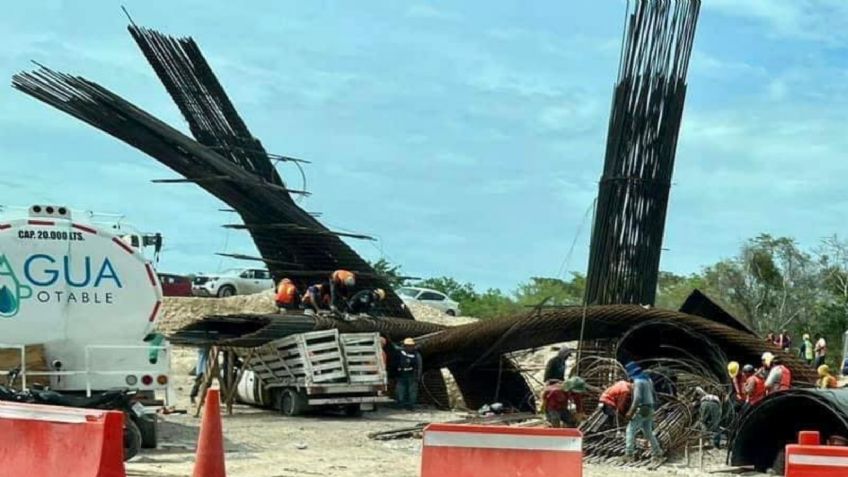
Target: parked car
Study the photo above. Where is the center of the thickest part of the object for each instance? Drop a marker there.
(237, 281)
(429, 297)
(175, 285)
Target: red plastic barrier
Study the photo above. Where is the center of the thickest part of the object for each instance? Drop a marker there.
(810, 459)
(54, 441)
(499, 451)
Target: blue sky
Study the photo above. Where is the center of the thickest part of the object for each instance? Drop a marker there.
(468, 137)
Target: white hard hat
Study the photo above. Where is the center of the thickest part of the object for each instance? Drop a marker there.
(767, 357)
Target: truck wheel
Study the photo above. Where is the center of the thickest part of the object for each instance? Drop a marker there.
(226, 290)
(292, 403)
(132, 439)
(147, 426)
(450, 313)
(353, 410)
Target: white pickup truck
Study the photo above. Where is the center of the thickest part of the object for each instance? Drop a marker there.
(83, 291)
(317, 369)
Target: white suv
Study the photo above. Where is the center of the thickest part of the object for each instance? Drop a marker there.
(434, 298)
(237, 281)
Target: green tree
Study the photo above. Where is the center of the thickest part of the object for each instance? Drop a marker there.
(558, 292)
(390, 272)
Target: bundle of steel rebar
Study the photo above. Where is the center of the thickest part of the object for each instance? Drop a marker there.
(644, 123)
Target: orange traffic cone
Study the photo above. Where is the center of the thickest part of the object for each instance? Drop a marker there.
(210, 444)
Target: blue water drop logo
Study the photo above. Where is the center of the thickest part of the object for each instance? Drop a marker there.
(8, 302)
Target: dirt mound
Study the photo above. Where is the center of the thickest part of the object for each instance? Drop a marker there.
(427, 313)
(180, 311)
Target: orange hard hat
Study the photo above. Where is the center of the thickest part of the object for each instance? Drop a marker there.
(344, 277)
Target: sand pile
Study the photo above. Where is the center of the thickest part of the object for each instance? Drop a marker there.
(180, 311)
(423, 312)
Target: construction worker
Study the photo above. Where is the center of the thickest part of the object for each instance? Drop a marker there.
(556, 398)
(555, 367)
(709, 411)
(783, 341)
(341, 285)
(807, 351)
(820, 350)
(287, 297)
(409, 369)
(641, 413)
(826, 380)
(615, 401)
(316, 298)
(779, 377)
(365, 300)
(199, 372)
(738, 381)
(755, 386)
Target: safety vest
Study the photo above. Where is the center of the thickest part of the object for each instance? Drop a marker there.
(759, 389)
(617, 396)
(785, 378)
(286, 293)
(408, 361)
(827, 382)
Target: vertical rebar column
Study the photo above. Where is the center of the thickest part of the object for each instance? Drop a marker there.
(644, 125)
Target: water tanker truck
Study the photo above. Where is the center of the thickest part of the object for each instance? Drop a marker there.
(82, 291)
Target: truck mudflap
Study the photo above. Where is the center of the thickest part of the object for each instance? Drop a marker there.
(349, 400)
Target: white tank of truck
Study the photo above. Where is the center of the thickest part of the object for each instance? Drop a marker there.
(85, 292)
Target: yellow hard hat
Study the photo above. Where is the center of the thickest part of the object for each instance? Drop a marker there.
(806, 336)
(823, 370)
(409, 342)
(767, 358)
(380, 293)
(733, 369)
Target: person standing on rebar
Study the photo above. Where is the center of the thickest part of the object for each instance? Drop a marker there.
(709, 412)
(287, 298)
(555, 367)
(784, 341)
(615, 401)
(755, 386)
(779, 377)
(826, 380)
(807, 351)
(409, 369)
(641, 413)
(364, 301)
(341, 286)
(820, 350)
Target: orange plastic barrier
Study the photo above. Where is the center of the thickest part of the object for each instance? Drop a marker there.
(808, 458)
(500, 451)
(54, 441)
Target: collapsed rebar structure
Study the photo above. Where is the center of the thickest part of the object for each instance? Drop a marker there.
(644, 124)
(776, 421)
(654, 337)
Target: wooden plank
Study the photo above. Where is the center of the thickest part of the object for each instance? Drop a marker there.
(322, 378)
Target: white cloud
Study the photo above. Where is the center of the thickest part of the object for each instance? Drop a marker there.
(816, 20)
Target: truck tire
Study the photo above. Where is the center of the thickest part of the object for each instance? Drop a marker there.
(226, 290)
(450, 313)
(292, 403)
(147, 426)
(132, 439)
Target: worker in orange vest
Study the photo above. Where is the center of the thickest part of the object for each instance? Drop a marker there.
(287, 297)
(779, 376)
(738, 381)
(341, 285)
(615, 400)
(755, 386)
